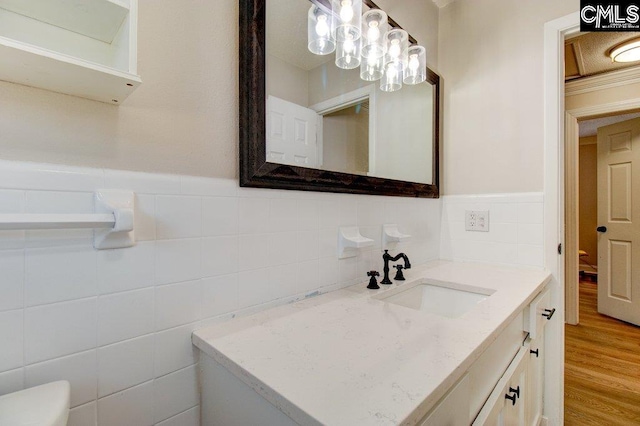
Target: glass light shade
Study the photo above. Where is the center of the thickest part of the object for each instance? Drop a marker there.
(348, 16)
(320, 29)
(397, 42)
(375, 24)
(392, 78)
(372, 69)
(348, 52)
(628, 51)
(416, 70)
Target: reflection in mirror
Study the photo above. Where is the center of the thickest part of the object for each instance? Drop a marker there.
(323, 117)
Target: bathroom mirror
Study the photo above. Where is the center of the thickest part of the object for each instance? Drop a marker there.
(365, 140)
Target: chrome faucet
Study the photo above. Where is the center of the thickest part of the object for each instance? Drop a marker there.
(387, 257)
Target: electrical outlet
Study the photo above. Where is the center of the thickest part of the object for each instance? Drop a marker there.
(476, 220)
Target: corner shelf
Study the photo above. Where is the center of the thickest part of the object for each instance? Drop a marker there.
(85, 48)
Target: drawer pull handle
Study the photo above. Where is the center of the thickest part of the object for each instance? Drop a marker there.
(512, 398)
(548, 313)
(516, 395)
(534, 352)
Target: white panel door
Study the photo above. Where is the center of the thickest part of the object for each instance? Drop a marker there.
(291, 134)
(618, 221)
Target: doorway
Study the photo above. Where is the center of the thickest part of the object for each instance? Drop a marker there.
(558, 121)
(601, 364)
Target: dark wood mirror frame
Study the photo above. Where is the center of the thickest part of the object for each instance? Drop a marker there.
(255, 171)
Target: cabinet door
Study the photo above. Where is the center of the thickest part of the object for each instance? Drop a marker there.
(507, 404)
(535, 380)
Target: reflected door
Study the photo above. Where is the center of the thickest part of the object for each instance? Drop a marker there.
(291, 134)
(618, 221)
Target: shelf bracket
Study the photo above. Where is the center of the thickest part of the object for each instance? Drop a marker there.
(391, 234)
(349, 240)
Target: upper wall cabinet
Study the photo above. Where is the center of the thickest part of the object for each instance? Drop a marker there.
(85, 48)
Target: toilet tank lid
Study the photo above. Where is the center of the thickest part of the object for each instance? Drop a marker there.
(40, 405)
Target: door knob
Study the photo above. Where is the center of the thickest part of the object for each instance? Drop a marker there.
(601, 229)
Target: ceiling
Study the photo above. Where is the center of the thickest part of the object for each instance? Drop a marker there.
(587, 54)
(590, 127)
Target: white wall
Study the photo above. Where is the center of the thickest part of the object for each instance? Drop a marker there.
(286, 81)
(515, 235)
(491, 58)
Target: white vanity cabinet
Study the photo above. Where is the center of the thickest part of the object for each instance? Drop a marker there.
(369, 362)
(517, 399)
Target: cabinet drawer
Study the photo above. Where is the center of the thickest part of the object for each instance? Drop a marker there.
(494, 361)
(540, 311)
(507, 403)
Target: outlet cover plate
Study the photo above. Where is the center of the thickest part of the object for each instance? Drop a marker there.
(476, 220)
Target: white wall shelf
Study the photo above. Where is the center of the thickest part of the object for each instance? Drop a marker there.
(85, 48)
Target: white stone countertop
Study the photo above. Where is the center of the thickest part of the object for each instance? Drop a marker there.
(345, 358)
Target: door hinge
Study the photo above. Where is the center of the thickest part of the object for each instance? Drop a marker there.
(560, 248)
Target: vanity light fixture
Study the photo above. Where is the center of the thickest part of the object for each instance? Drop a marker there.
(375, 25)
(396, 60)
(372, 69)
(416, 70)
(348, 51)
(320, 29)
(348, 14)
(629, 51)
(366, 41)
(392, 78)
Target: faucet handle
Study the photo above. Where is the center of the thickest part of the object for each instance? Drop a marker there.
(373, 284)
(399, 275)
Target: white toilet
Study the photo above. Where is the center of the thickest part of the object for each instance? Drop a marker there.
(44, 405)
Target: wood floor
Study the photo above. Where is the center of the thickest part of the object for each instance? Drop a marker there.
(602, 367)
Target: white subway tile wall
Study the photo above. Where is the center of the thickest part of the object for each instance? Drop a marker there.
(515, 229)
(117, 323)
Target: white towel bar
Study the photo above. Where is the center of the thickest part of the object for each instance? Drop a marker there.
(56, 221)
(112, 221)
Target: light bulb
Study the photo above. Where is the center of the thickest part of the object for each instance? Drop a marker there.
(373, 33)
(414, 63)
(394, 50)
(322, 28)
(346, 11)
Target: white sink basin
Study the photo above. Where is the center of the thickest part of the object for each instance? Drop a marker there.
(445, 299)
